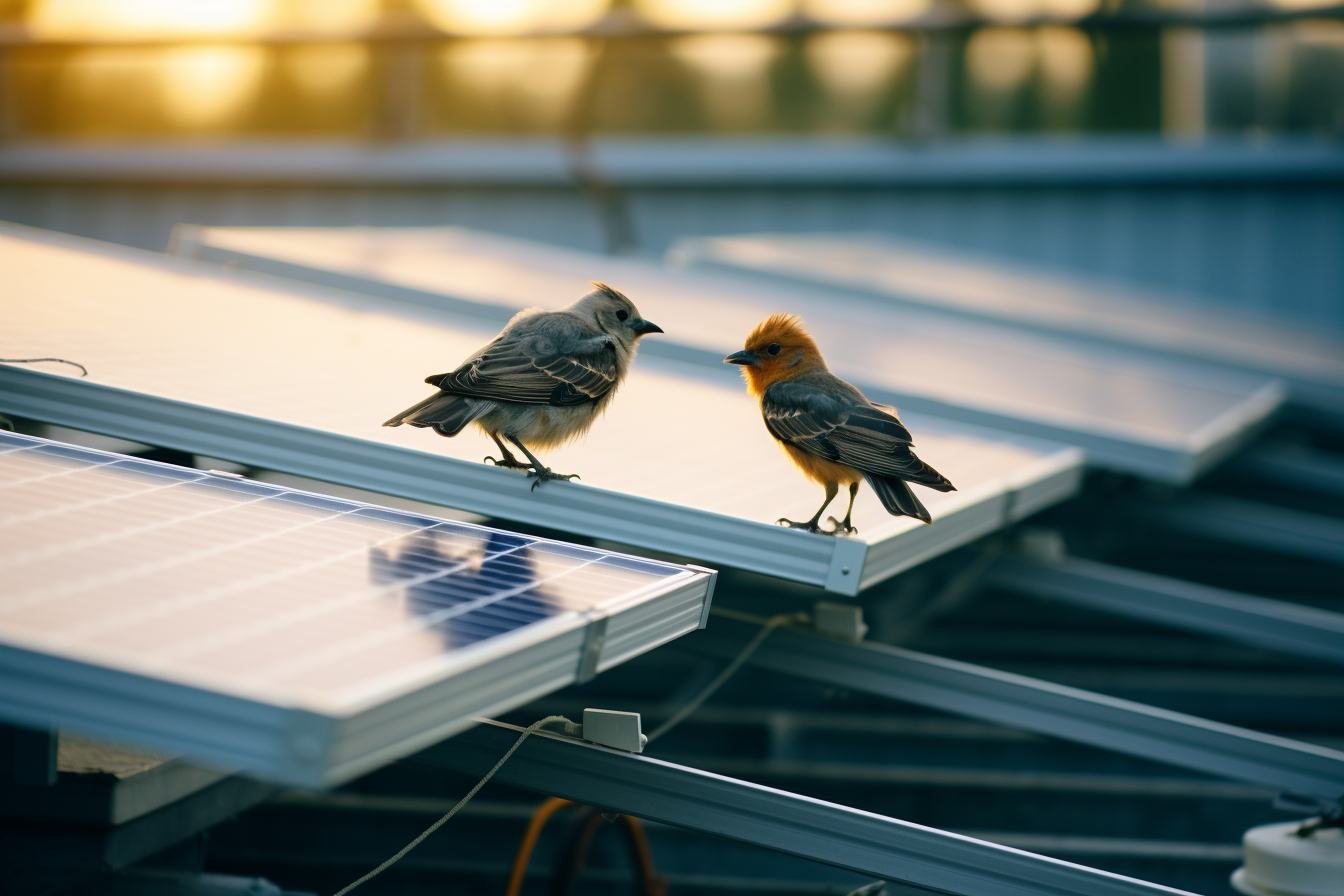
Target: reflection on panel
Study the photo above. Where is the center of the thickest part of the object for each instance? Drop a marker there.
(260, 591)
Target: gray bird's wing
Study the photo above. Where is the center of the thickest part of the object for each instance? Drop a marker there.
(830, 424)
(559, 363)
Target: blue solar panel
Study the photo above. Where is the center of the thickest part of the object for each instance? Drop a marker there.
(281, 597)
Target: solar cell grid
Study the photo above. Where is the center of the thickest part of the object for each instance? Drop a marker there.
(258, 590)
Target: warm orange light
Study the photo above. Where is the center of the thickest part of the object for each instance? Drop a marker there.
(734, 72)
(138, 19)
(510, 17)
(854, 65)
(1000, 60)
(1022, 10)
(713, 15)
(1302, 4)
(325, 70)
(863, 13)
(1066, 60)
(190, 86)
(345, 17)
(538, 74)
(209, 85)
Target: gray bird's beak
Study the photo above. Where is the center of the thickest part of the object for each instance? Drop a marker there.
(745, 358)
(645, 327)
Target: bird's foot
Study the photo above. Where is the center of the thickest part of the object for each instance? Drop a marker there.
(508, 463)
(543, 474)
(839, 528)
(809, 526)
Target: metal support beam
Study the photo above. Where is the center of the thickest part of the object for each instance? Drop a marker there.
(895, 850)
(1254, 524)
(1035, 705)
(1296, 466)
(1276, 624)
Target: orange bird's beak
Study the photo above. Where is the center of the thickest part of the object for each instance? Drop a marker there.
(745, 358)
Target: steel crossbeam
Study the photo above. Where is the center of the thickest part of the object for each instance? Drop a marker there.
(1276, 624)
(1035, 705)
(1255, 524)
(923, 858)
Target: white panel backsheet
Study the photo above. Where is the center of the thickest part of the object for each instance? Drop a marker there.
(1118, 393)
(264, 592)
(286, 352)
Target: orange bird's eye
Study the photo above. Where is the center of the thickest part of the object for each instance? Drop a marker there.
(772, 348)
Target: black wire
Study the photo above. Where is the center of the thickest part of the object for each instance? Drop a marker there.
(83, 371)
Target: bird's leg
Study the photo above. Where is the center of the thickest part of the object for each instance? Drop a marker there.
(812, 524)
(539, 470)
(507, 460)
(843, 527)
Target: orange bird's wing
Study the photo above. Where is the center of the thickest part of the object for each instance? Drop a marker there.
(839, 428)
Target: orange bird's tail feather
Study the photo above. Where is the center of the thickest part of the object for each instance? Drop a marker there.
(928, 477)
(896, 496)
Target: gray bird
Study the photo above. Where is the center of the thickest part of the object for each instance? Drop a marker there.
(542, 381)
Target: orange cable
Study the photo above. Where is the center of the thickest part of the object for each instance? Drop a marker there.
(542, 815)
(654, 884)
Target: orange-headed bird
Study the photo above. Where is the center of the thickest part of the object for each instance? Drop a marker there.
(827, 427)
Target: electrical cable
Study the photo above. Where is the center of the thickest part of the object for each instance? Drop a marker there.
(551, 806)
(540, 816)
(84, 371)
(767, 626)
(460, 803)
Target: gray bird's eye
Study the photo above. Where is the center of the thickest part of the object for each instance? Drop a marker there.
(772, 348)
(622, 315)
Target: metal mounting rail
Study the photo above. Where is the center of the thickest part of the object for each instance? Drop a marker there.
(1293, 465)
(1034, 705)
(1252, 523)
(1276, 624)
(925, 858)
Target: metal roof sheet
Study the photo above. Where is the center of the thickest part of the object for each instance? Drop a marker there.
(289, 377)
(1163, 418)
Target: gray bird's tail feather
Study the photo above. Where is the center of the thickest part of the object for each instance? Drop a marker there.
(896, 496)
(444, 413)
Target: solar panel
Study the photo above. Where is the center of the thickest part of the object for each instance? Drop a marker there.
(977, 287)
(290, 377)
(292, 636)
(1162, 418)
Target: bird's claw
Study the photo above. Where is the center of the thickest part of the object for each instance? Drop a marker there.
(808, 526)
(507, 463)
(540, 476)
(839, 528)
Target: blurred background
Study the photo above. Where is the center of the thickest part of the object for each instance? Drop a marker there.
(1186, 151)
(1164, 142)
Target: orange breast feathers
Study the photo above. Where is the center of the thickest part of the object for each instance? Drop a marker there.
(819, 469)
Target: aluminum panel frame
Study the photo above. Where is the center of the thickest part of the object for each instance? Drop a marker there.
(392, 470)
